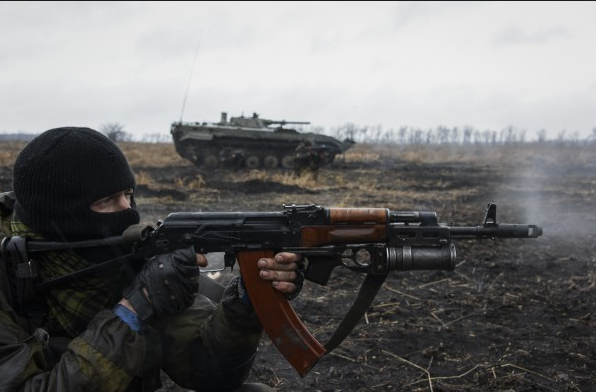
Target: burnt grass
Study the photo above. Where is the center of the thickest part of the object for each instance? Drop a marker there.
(515, 315)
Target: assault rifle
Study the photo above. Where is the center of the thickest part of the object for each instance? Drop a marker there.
(372, 241)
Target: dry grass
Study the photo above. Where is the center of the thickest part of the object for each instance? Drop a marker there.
(306, 180)
(138, 154)
(164, 154)
(191, 184)
(152, 154)
(523, 160)
(497, 154)
(519, 157)
(9, 152)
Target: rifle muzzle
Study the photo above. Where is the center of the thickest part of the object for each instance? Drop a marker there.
(508, 230)
(492, 231)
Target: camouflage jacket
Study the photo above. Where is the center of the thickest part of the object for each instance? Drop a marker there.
(208, 347)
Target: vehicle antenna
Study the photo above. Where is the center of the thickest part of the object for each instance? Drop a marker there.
(191, 72)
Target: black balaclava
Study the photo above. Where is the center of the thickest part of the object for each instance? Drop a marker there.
(60, 173)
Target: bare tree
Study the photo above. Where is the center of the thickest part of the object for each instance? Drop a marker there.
(115, 132)
(592, 137)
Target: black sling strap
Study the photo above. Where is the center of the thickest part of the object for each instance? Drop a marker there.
(21, 270)
(367, 293)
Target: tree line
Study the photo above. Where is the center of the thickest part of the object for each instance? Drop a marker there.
(446, 135)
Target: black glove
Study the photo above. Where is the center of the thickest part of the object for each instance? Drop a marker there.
(171, 282)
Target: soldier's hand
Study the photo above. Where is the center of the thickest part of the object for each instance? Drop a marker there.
(166, 284)
(284, 271)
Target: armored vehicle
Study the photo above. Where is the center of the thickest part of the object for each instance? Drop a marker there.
(250, 142)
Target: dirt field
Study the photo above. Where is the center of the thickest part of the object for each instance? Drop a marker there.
(515, 315)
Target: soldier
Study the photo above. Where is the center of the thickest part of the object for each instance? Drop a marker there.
(115, 329)
(307, 159)
(231, 157)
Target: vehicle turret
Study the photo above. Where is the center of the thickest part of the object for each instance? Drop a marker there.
(256, 122)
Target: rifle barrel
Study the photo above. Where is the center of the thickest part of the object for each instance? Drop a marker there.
(501, 230)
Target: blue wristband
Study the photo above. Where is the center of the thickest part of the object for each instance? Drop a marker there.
(128, 317)
(242, 292)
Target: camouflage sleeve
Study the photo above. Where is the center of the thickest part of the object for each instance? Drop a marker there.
(238, 327)
(108, 353)
(210, 347)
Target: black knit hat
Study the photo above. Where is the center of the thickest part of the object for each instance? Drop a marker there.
(60, 173)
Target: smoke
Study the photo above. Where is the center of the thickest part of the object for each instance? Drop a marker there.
(553, 190)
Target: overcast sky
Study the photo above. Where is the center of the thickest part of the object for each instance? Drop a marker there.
(488, 65)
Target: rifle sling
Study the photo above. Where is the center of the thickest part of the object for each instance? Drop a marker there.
(208, 287)
(367, 293)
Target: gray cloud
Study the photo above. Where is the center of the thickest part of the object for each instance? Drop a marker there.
(519, 35)
(484, 64)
